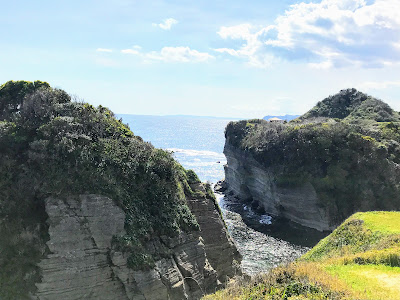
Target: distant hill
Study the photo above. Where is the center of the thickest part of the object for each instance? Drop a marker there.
(351, 105)
(285, 117)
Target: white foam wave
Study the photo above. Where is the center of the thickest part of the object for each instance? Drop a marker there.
(265, 219)
(191, 152)
(200, 164)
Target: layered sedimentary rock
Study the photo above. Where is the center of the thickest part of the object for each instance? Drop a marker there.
(250, 181)
(221, 251)
(83, 265)
(80, 232)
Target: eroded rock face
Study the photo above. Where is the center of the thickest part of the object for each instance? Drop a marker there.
(82, 264)
(80, 232)
(248, 180)
(220, 248)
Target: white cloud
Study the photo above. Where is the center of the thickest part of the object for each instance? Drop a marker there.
(166, 24)
(232, 52)
(236, 32)
(130, 51)
(376, 85)
(103, 50)
(135, 50)
(331, 33)
(251, 49)
(179, 54)
(171, 54)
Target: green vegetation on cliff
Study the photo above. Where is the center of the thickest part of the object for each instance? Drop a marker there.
(352, 105)
(347, 147)
(53, 146)
(359, 260)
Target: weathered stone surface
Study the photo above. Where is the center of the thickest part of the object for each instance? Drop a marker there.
(190, 257)
(82, 265)
(172, 279)
(80, 232)
(220, 248)
(186, 275)
(248, 180)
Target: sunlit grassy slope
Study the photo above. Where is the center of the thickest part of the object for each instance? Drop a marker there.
(359, 260)
(383, 221)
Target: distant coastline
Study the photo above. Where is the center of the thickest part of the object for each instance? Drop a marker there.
(182, 116)
(284, 117)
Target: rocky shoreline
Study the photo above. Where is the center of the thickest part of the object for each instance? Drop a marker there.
(260, 243)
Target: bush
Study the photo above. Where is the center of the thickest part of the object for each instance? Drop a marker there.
(192, 177)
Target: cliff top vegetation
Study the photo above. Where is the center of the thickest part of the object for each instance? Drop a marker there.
(352, 105)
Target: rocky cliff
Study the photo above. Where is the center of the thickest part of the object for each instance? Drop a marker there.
(88, 210)
(339, 158)
(250, 181)
(220, 249)
(83, 264)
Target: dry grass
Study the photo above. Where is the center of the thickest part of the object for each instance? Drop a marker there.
(316, 274)
(389, 257)
(294, 281)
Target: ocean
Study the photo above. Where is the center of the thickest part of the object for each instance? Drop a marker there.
(196, 142)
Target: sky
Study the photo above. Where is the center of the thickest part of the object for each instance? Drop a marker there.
(239, 59)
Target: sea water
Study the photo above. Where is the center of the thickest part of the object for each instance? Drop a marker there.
(198, 143)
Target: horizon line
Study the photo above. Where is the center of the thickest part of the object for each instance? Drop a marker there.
(200, 116)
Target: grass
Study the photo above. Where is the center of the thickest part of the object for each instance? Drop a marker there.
(361, 232)
(387, 222)
(294, 281)
(388, 257)
(359, 260)
(370, 281)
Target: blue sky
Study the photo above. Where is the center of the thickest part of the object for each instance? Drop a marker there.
(220, 58)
